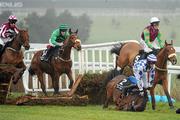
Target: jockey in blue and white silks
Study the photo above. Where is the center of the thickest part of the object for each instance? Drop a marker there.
(144, 71)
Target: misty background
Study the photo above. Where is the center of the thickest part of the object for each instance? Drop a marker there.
(98, 21)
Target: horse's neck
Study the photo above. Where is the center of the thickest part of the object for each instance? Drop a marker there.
(67, 52)
(16, 43)
(162, 59)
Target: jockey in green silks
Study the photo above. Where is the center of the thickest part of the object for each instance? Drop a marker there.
(56, 40)
(151, 36)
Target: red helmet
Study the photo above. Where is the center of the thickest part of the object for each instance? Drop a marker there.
(12, 19)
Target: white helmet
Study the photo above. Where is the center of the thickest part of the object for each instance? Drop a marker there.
(154, 19)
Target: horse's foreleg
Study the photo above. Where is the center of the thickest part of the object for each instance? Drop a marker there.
(40, 78)
(108, 97)
(152, 98)
(55, 82)
(165, 87)
(71, 79)
(21, 65)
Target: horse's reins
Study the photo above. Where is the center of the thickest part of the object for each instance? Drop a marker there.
(165, 69)
(69, 60)
(20, 43)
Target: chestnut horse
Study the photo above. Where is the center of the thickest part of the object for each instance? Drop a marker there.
(12, 53)
(59, 63)
(132, 102)
(126, 54)
(8, 73)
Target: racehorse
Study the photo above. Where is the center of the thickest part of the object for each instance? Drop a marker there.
(8, 72)
(12, 53)
(128, 51)
(59, 63)
(131, 102)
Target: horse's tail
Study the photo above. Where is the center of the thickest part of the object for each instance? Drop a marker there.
(31, 72)
(116, 48)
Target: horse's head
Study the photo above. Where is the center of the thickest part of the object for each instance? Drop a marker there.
(73, 40)
(170, 52)
(24, 39)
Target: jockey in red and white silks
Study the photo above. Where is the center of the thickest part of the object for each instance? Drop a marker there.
(151, 36)
(7, 30)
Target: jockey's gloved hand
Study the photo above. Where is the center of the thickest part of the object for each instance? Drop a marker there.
(154, 49)
(141, 93)
(60, 44)
(11, 35)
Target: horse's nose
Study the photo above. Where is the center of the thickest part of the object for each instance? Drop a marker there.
(27, 47)
(174, 62)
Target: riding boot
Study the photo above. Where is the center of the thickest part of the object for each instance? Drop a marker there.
(46, 55)
(1, 49)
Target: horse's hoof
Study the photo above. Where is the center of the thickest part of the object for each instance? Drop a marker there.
(56, 94)
(171, 107)
(104, 107)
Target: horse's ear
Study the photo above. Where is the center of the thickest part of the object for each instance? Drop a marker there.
(76, 31)
(171, 42)
(70, 31)
(166, 43)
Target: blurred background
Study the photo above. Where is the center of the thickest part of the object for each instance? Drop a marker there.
(97, 20)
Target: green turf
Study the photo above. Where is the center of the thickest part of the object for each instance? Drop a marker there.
(11, 112)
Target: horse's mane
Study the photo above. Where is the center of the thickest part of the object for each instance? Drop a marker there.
(116, 48)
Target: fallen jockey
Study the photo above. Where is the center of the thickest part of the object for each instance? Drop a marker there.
(127, 84)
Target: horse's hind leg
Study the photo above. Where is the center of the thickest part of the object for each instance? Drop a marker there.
(40, 78)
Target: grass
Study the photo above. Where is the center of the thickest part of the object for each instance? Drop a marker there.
(90, 112)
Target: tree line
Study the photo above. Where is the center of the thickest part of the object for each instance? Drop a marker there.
(41, 26)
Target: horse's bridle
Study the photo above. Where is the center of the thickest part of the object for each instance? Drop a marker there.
(20, 43)
(165, 69)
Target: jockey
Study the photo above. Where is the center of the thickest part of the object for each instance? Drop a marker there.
(56, 40)
(8, 31)
(151, 36)
(144, 72)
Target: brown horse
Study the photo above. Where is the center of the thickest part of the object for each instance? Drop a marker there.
(126, 54)
(8, 73)
(12, 53)
(131, 102)
(59, 63)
